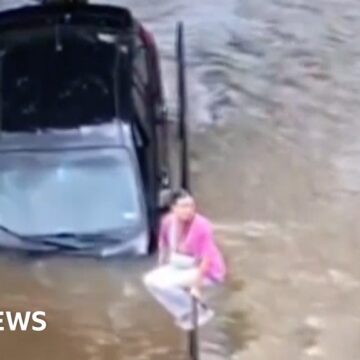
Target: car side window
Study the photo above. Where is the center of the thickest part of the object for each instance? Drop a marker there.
(139, 103)
(140, 85)
(140, 65)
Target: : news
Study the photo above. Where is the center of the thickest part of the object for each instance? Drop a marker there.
(22, 321)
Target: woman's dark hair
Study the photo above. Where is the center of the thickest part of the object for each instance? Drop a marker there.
(178, 195)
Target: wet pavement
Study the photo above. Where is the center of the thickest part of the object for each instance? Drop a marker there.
(276, 163)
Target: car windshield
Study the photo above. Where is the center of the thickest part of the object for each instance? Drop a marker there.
(69, 191)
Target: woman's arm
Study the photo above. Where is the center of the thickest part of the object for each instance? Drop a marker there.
(163, 249)
(202, 271)
(204, 253)
(163, 256)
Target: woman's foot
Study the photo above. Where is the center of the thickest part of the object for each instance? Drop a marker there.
(186, 322)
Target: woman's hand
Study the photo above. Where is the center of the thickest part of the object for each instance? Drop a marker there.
(195, 291)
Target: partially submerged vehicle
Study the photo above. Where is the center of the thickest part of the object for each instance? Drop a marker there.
(88, 155)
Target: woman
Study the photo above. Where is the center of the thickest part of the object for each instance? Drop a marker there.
(189, 260)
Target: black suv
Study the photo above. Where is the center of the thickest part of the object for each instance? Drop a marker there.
(88, 155)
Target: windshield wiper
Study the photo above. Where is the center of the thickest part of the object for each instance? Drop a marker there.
(11, 239)
(58, 241)
(77, 241)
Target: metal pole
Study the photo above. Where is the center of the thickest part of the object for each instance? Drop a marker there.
(194, 334)
(182, 97)
(2, 54)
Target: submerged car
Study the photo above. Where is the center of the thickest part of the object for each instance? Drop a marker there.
(88, 155)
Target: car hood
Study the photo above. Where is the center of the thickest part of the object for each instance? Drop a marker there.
(72, 246)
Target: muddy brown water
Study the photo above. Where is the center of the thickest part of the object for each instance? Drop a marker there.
(275, 88)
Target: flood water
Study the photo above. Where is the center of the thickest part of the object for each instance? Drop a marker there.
(274, 88)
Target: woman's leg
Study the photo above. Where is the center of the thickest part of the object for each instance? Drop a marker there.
(168, 285)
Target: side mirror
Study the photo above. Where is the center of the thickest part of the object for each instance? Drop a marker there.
(164, 198)
(161, 113)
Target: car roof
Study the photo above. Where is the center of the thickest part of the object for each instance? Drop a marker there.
(28, 15)
(11, 4)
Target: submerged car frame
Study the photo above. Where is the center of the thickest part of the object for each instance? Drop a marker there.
(87, 153)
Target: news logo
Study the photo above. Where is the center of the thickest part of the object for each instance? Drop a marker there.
(22, 321)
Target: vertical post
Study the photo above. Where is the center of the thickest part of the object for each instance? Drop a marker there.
(2, 54)
(194, 334)
(182, 109)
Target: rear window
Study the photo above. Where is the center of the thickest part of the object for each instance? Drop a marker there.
(61, 77)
